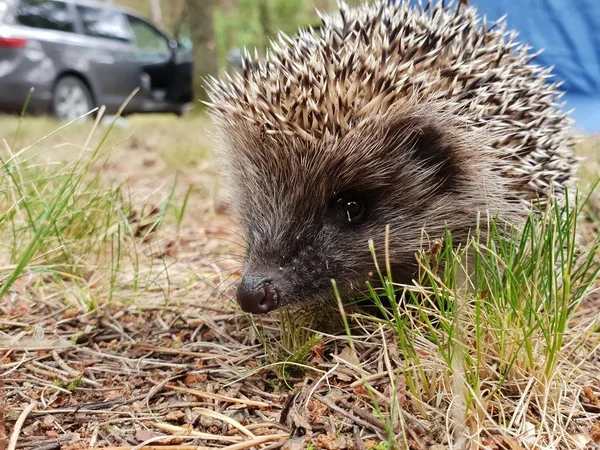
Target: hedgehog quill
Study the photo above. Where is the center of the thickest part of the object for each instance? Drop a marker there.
(417, 117)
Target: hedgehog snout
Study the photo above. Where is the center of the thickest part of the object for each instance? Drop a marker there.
(257, 294)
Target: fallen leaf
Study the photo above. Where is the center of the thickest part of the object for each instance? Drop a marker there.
(349, 355)
(74, 446)
(144, 435)
(318, 353)
(175, 416)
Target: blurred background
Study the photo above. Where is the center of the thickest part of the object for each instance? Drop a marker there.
(80, 53)
(569, 33)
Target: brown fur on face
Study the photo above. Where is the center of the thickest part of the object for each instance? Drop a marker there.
(428, 116)
(414, 169)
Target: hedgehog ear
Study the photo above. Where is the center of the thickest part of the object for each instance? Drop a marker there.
(430, 146)
(435, 150)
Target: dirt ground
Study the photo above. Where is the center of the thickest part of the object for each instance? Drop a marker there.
(176, 364)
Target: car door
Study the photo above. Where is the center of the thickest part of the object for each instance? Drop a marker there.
(170, 72)
(113, 59)
(45, 32)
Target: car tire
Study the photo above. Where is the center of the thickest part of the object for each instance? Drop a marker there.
(182, 111)
(71, 99)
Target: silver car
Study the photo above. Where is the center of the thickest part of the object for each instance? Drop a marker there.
(79, 54)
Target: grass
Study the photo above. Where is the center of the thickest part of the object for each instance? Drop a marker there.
(486, 342)
(56, 218)
(494, 317)
(73, 207)
(488, 335)
(115, 239)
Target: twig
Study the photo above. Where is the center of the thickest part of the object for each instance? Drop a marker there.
(92, 408)
(248, 387)
(348, 415)
(158, 447)
(255, 426)
(94, 437)
(274, 446)
(222, 417)
(173, 351)
(257, 441)
(12, 444)
(368, 417)
(72, 372)
(238, 446)
(50, 443)
(182, 432)
(12, 323)
(51, 374)
(76, 410)
(3, 442)
(368, 378)
(33, 344)
(218, 397)
(241, 446)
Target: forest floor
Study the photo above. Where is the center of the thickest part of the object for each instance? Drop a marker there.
(118, 326)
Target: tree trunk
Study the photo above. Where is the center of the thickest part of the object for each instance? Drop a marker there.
(200, 14)
(156, 13)
(264, 17)
(322, 5)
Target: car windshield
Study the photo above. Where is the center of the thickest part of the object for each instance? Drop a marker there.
(47, 14)
(147, 39)
(105, 23)
(4, 9)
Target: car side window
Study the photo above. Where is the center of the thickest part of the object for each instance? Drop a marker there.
(150, 43)
(104, 23)
(46, 14)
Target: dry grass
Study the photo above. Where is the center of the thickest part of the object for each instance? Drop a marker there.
(140, 343)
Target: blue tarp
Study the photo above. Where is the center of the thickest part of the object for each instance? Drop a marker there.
(569, 33)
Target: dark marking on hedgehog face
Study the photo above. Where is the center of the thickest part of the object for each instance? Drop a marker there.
(438, 156)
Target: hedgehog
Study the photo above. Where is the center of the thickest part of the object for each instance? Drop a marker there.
(418, 118)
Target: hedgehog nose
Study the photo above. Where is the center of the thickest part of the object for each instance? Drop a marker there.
(257, 295)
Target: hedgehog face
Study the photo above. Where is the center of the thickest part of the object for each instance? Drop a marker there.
(309, 208)
(416, 118)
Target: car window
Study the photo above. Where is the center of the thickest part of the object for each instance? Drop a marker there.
(148, 40)
(47, 14)
(3, 11)
(100, 22)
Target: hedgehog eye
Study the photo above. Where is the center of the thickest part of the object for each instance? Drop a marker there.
(350, 207)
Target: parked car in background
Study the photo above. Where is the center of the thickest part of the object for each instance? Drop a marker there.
(79, 54)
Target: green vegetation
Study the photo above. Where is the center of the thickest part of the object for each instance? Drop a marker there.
(486, 336)
(492, 320)
(56, 217)
(290, 343)
(490, 344)
(72, 223)
(239, 23)
(252, 23)
(69, 385)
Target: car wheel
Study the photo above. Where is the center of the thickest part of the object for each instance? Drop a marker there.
(183, 111)
(71, 99)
